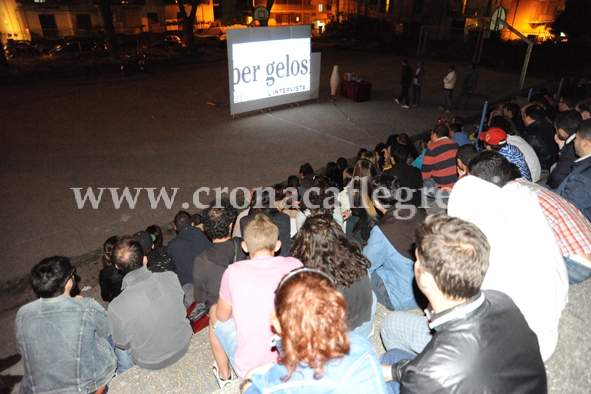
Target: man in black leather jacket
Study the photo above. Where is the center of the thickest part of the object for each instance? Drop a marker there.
(481, 341)
(539, 133)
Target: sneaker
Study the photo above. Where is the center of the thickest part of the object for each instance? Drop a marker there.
(222, 383)
(397, 102)
(405, 106)
(441, 108)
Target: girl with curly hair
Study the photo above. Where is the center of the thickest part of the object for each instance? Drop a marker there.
(316, 354)
(321, 244)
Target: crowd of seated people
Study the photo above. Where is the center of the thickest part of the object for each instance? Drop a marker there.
(291, 283)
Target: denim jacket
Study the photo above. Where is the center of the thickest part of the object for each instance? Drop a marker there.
(63, 346)
(357, 372)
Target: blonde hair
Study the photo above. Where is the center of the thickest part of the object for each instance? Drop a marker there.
(260, 233)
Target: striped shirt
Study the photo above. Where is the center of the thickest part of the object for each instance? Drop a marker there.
(515, 156)
(571, 229)
(440, 163)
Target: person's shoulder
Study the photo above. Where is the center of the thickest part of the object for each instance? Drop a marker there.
(291, 261)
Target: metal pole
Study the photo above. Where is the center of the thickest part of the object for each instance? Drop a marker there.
(530, 45)
(559, 90)
(420, 38)
(484, 109)
(531, 92)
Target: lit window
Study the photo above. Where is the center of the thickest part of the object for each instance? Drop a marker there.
(320, 7)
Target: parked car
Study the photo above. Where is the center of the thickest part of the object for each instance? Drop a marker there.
(22, 48)
(168, 41)
(76, 45)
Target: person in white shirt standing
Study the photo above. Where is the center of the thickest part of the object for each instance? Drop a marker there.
(448, 87)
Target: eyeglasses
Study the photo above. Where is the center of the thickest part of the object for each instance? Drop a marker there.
(73, 275)
(301, 270)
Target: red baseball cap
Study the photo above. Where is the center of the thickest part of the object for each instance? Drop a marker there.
(494, 136)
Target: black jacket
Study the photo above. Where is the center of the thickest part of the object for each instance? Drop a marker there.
(540, 135)
(489, 349)
(564, 165)
(409, 177)
(406, 78)
(183, 249)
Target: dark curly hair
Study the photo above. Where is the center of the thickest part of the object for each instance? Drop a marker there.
(319, 197)
(218, 218)
(321, 244)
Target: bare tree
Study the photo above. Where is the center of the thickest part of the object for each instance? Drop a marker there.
(189, 21)
(107, 14)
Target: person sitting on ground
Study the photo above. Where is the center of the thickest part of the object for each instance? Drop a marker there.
(425, 141)
(512, 113)
(240, 319)
(380, 156)
(571, 230)
(584, 107)
(189, 243)
(496, 139)
(262, 202)
(370, 156)
(210, 265)
(410, 178)
(481, 341)
(533, 163)
(148, 318)
(237, 231)
(335, 175)
(286, 202)
(197, 220)
(294, 182)
(568, 101)
(404, 140)
(576, 187)
(566, 124)
(439, 164)
(363, 209)
(389, 248)
(158, 237)
(458, 135)
(320, 198)
(536, 256)
(463, 157)
(157, 261)
(539, 133)
(306, 175)
(349, 221)
(316, 354)
(343, 164)
(321, 244)
(62, 339)
(359, 153)
(109, 277)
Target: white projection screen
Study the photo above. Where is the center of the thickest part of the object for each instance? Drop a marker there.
(271, 66)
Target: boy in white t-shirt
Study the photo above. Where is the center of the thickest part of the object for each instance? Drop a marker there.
(240, 319)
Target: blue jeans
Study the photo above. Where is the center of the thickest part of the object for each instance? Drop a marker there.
(391, 357)
(576, 272)
(225, 332)
(447, 99)
(406, 331)
(124, 360)
(366, 330)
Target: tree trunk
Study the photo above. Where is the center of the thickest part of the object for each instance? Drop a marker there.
(189, 22)
(107, 15)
